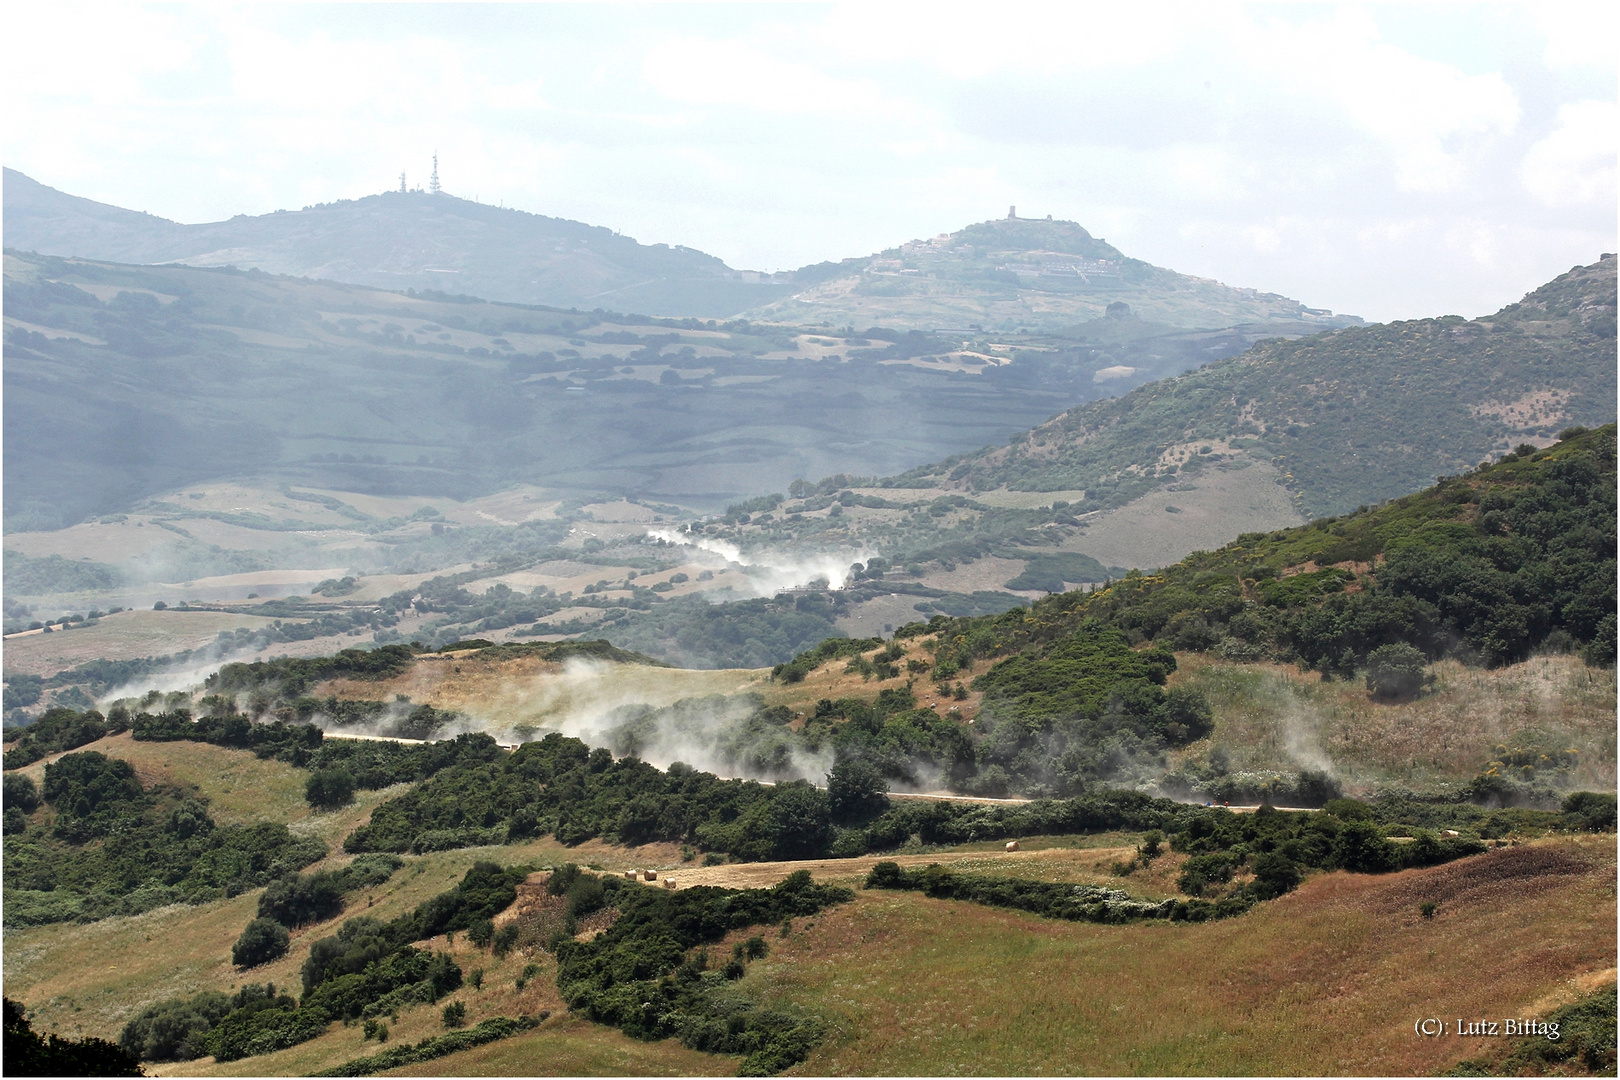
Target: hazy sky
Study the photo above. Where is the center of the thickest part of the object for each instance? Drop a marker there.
(1391, 161)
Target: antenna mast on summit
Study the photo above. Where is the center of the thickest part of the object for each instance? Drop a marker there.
(433, 181)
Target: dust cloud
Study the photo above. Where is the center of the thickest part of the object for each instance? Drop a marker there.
(768, 572)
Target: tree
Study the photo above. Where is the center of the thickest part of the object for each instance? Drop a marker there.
(856, 791)
(1396, 671)
(328, 789)
(21, 793)
(262, 941)
(1274, 875)
(28, 1053)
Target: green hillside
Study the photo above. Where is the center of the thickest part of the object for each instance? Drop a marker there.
(1350, 416)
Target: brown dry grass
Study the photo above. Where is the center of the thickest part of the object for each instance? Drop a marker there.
(1222, 504)
(527, 690)
(1326, 981)
(127, 635)
(1080, 859)
(1273, 716)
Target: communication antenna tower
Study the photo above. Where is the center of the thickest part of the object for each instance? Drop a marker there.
(433, 181)
(402, 183)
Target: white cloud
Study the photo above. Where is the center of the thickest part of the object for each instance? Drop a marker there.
(1306, 149)
(1427, 114)
(1579, 35)
(1574, 166)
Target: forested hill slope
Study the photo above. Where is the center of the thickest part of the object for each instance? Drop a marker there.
(1486, 566)
(1349, 416)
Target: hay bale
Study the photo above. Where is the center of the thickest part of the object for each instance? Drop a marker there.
(630, 875)
(649, 875)
(669, 883)
(1012, 845)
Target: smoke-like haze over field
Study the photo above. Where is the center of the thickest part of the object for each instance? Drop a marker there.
(769, 572)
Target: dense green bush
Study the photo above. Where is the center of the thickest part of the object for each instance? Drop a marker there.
(262, 941)
(1397, 670)
(27, 1053)
(1054, 900)
(59, 729)
(1591, 811)
(20, 793)
(372, 764)
(856, 791)
(329, 789)
(297, 899)
(177, 1029)
(291, 675)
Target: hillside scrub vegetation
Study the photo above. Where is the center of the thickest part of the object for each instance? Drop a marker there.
(368, 968)
(641, 976)
(1350, 416)
(102, 844)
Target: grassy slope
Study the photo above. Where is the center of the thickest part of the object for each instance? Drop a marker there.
(1325, 981)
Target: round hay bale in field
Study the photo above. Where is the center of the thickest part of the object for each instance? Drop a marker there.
(649, 875)
(1012, 845)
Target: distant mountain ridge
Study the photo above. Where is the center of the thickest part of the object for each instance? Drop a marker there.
(400, 240)
(1003, 275)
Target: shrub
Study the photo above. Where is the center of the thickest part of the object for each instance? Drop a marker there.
(454, 1015)
(329, 789)
(298, 899)
(1274, 875)
(1397, 670)
(586, 895)
(856, 791)
(262, 941)
(1204, 871)
(20, 793)
(1590, 811)
(175, 1030)
(30, 1054)
(505, 940)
